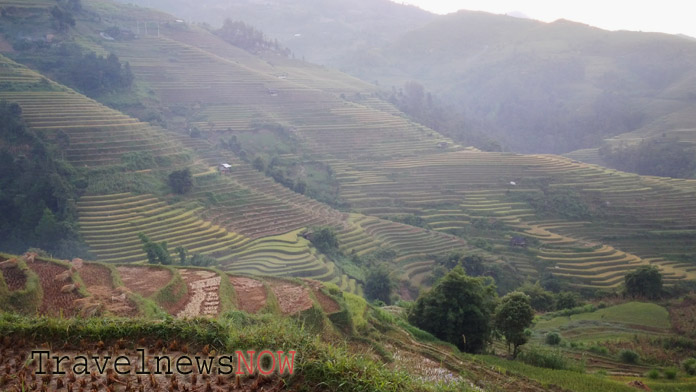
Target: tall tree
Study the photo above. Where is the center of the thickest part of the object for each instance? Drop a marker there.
(513, 316)
(458, 310)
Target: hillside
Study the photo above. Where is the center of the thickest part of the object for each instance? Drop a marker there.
(318, 31)
(535, 87)
(295, 120)
(328, 193)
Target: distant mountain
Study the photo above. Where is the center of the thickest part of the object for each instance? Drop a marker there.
(318, 30)
(544, 87)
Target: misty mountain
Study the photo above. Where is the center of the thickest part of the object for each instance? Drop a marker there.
(321, 31)
(543, 87)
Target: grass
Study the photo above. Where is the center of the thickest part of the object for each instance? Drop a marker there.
(571, 380)
(318, 364)
(638, 314)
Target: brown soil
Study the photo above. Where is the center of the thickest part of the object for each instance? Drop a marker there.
(54, 302)
(99, 284)
(144, 280)
(292, 298)
(203, 293)
(15, 278)
(251, 295)
(95, 275)
(327, 303)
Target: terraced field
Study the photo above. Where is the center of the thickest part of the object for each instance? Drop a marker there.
(182, 292)
(451, 190)
(97, 135)
(236, 93)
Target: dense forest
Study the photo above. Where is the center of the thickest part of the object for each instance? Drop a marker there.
(37, 191)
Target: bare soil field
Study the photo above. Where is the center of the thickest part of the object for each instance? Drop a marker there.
(292, 298)
(55, 301)
(251, 294)
(144, 280)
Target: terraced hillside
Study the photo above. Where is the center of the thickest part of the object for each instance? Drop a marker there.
(97, 135)
(451, 190)
(335, 119)
(244, 93)
(426, 174)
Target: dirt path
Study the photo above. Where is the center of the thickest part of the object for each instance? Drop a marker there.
(251, 294)
(144, 280)
(292, 298)
(54, 302)
(204, 289)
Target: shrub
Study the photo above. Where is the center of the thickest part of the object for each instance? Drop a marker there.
(553, 339)
(544, 358)
(653, 374)
(628, 356)
(689, 366)
(599, 350)
(671, 373)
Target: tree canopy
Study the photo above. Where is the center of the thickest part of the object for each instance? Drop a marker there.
(181, 181)
(379, 285)
(458, 310)
(646, 281)
(37, 191)
(513, 316)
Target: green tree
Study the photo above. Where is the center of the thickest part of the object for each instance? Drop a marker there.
(181, 181)
(156, 253)
(379, 285)
(513, 316)
(324, 238)
(567, 300)
(646, 281)
(48, 230)
(181, 251)
(458, 310)
(540, 299)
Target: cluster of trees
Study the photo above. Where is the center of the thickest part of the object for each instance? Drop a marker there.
(181, 181)
(546, 301)
(665, 157)
(426, 109)
(86, 72)
(37, 191)
(157, 253)
(467, 312)
(248, 38)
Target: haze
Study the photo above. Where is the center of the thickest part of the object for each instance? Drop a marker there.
(668, 16)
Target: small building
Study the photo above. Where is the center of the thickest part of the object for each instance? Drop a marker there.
(518, 242)
(224, 168)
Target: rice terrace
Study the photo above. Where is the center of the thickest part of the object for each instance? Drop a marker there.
(342, 196)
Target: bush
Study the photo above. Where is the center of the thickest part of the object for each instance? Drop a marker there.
(629, 356)
(599, 350)
(653, 374)
(671, 373)
(553, 339)
(544, 358)
(689, 366)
